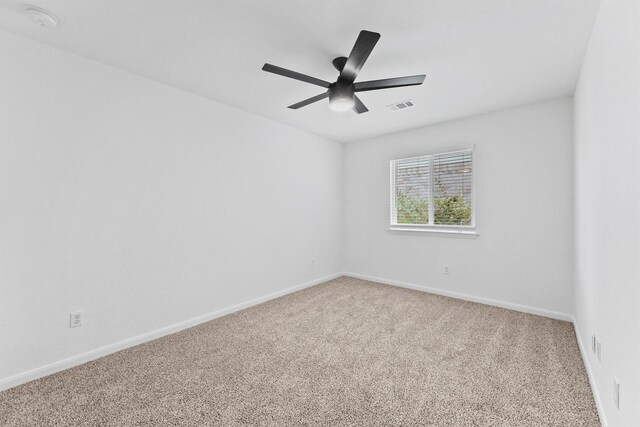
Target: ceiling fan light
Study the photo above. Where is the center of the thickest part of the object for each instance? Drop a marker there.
(341, 96)
(341, 104)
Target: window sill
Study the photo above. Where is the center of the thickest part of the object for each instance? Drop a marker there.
(462, 234)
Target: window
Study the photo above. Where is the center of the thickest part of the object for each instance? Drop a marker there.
(433, 192)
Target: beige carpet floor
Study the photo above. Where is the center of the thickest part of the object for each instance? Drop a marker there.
(346, 352)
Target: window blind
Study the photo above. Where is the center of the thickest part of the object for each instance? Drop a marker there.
(433, 190)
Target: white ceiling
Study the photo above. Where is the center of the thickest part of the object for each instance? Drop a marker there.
(478, 55)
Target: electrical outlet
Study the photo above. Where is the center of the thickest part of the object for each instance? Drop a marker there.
(75, 319)
(599, 350)
(594, 340)
(446, 270)
(616, 393)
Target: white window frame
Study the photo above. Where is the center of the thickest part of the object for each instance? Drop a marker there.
(435, 229)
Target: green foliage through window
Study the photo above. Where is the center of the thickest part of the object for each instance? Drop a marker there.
(412, 209)
(448, 210)
(452, 210)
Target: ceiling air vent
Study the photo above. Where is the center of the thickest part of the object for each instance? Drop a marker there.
(401, 105)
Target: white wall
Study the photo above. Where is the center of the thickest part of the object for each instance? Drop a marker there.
(524, 209)
(144, 206)
(607, 152)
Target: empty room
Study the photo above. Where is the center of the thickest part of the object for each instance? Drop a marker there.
(320, 213)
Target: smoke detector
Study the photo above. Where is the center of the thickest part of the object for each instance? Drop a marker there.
(41, 17)
(401, 105)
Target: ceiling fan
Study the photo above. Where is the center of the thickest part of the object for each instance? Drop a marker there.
(342, 92)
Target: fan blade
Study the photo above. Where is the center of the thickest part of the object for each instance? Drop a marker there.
(358, 106)
(294, 75)
(389, 83)
(359, 54)
(309, 101)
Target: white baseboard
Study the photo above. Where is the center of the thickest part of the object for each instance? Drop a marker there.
(592, 380)
(466, 297)
(79, 359)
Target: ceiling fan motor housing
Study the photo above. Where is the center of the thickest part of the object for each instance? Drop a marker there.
(340, 90)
